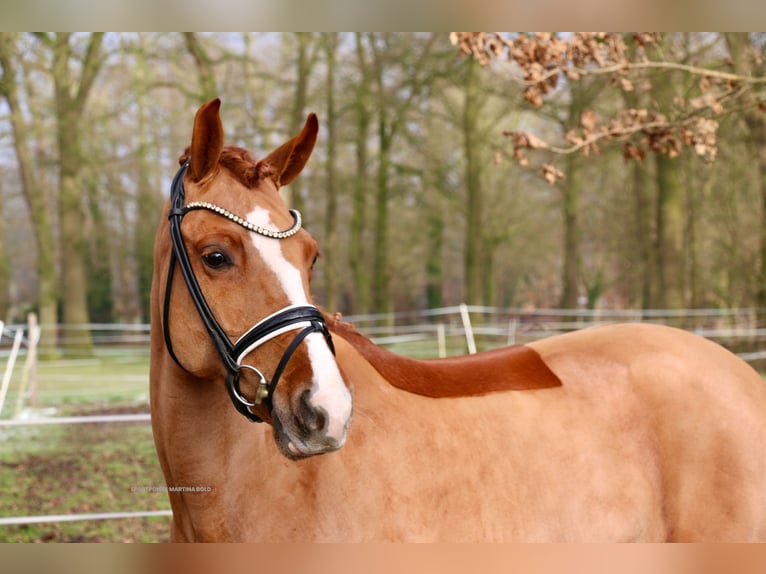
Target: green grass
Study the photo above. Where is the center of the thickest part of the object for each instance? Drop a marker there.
(84, 468)
(72, 469)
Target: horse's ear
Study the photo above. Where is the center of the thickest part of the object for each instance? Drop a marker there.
(207, 140)
(285, 163)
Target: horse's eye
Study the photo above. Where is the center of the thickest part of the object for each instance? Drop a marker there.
(216, 260)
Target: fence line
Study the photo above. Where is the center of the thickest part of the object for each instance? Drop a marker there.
(625, 314)
(509, 325)
(41, 519)
(742, 330)
(138, 333)
(126, 418)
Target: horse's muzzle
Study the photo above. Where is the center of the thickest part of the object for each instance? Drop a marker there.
(304, 431)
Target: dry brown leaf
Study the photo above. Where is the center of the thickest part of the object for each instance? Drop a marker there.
(588, 120)
(535, 142)
(626, 84)
(533, 96)
(572, 74)
(632, 151)
(572, 137)
(550, 173)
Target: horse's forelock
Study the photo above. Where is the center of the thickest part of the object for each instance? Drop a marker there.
(237, 160)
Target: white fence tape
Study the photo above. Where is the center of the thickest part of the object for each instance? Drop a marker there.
(127, 418)
(41, 519)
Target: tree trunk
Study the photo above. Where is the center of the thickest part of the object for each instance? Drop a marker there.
(357, 253)
(570, 200)
(148, 198)
(571, 189)
(670, 233)
(103, 251)
(756, 123)
(5, 267)
(208, 87)
(434, 254)
(36, 202)
(755, 120)
(382, 302)
(473, 268)
(125, 307)
(330, 275)
(642, 236)
(392, 110)
(669, 239)
(70, 97)
(74, 277)
(642, 229)
(381, 273)
(304, 63)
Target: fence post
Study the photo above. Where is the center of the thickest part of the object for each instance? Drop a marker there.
(9, 367)
(30, 366)
(512, 327)
(442, 340)
(29, 371)
(467, 328)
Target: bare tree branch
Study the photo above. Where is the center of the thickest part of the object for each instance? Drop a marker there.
(545, 59)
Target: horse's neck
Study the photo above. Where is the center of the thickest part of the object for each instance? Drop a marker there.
(510, 368)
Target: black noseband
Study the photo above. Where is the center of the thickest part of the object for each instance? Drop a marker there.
(304, 317)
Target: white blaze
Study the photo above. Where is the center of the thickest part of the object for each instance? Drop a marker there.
(328, 390)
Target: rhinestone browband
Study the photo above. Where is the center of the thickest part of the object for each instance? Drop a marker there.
(245, 223)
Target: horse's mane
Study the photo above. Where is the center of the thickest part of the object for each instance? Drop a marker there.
(515, 368)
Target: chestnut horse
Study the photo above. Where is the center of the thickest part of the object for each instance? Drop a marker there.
(618, 433)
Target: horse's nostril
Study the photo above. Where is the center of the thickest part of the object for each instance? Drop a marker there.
(310, 419)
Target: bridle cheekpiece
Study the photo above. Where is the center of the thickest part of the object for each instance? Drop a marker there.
(307, 318)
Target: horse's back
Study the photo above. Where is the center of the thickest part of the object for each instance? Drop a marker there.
(704, 407)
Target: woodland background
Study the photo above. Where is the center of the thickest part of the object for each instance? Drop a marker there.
(620, 171)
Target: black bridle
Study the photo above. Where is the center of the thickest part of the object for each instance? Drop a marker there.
(305, 317)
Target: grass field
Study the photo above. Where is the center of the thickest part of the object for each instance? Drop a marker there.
(83, 468)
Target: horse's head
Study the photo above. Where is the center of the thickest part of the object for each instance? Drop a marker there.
(245, 314)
